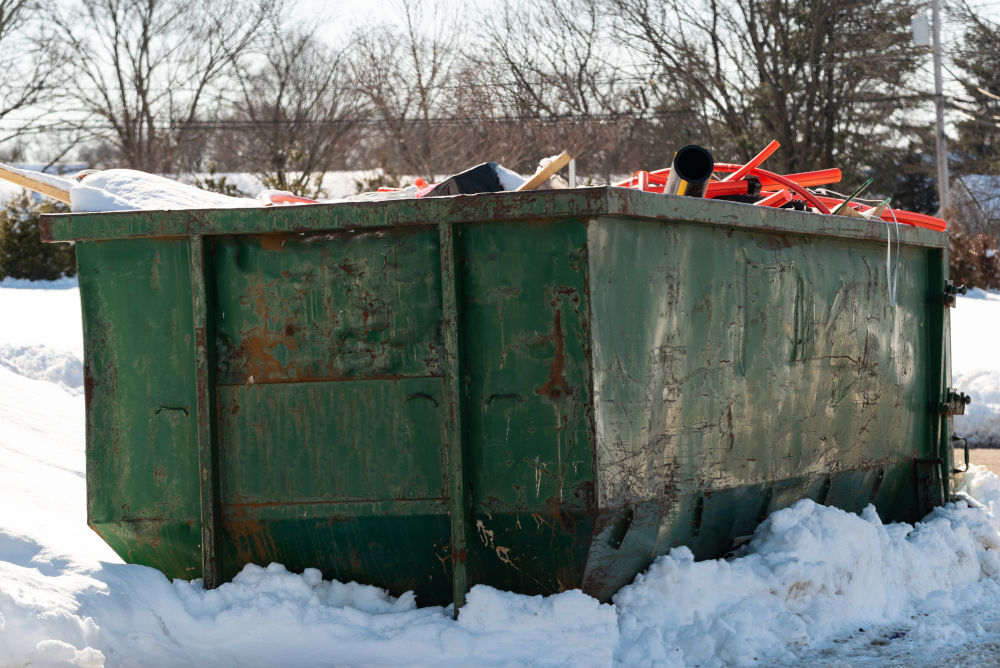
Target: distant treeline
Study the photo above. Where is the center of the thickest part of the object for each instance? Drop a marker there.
(180, 86)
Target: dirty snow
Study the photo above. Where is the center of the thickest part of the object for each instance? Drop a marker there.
(816, 585)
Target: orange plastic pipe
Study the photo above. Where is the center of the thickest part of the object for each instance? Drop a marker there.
(757, 172)
(917, 219)
(654, 182)
(819, 177)
(901, 216)
(291, 199)
(722, 188)
(776, 199)
(754, 161)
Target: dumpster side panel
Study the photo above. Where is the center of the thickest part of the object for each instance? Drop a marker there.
(294, 308)
(766, 368)
(331, 404)
(526, 350)
(142, 455)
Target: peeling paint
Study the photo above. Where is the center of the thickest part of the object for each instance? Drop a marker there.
(485, 534)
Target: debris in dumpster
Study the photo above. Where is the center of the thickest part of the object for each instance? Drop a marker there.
(693, 173)
(480, 179)
(843, 205)
(38, 182)
(271, 197)
(546, 170)
(121, 189)
(764, 188)
(690, 172)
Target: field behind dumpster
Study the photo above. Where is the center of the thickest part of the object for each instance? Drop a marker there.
(816, 586)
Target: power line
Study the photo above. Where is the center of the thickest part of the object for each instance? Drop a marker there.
(274, 124)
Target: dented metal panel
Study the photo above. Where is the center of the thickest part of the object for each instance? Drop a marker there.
(534, 391)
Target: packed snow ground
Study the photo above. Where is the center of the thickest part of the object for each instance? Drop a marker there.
(816, 586)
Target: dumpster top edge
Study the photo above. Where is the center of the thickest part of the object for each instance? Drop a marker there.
(488, 207)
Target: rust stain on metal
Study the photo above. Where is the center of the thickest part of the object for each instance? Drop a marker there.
(88, 385)
(272, 242)
(556, 386)
(252, 539)
(256, 350)
(241, 503)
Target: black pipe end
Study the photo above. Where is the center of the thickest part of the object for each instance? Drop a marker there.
(694, 164)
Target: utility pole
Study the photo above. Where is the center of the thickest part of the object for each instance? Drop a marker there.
(942, 148)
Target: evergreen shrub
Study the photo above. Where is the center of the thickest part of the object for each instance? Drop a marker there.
(22, 253)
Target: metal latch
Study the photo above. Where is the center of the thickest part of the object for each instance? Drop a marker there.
(951, 291)
(955, 402)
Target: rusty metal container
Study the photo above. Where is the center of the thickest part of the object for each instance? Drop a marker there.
(536, 391)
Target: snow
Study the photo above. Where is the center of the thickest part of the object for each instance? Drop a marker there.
(815, 586)
(509, 180)
(45, 343)
(124, 189)
(130, 190)
(976, 365)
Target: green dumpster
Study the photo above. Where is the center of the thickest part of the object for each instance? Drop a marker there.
(534, 391)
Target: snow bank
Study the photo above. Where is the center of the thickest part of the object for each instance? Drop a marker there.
(126, 615)
(811, 572)
(41, 333)
(62, 367)
(976, 366)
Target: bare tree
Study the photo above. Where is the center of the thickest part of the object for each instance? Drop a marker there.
(406, 72)
(31, 66)
(294, 113)
(555, 68)
(146, 69)
(824, 78)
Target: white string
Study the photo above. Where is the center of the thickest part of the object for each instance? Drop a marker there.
(892, 269)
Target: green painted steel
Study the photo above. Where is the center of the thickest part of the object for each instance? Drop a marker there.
(534, 391)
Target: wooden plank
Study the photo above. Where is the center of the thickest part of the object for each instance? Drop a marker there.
(546, 172)
(18, 177)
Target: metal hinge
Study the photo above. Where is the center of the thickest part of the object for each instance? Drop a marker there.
(951, 291)
(954, 402)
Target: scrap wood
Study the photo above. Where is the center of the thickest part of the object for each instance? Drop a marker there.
(45, 187)
(545, 171)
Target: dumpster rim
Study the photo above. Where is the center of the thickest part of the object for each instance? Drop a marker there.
(584, 203)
